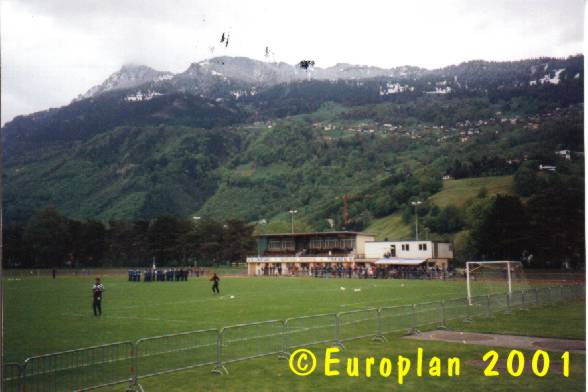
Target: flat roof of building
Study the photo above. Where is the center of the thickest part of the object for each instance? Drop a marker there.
(316, 233)
(389, 241)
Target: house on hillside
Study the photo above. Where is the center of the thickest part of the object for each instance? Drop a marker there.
(548, 168)
(565, 155)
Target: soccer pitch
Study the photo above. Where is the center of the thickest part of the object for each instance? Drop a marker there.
(45, 315)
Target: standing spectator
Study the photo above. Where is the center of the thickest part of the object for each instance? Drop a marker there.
(97, 291)
(215, 279)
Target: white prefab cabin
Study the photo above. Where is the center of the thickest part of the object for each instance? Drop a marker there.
(409, 252)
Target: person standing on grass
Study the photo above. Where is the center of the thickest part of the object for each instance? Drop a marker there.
(97, 291)
(215, 279)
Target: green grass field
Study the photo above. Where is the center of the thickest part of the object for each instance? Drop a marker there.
(45, 315)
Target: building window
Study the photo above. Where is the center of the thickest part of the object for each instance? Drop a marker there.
(316, 244)
(288, 244)
(281, 245)
(423, 246)
(331, 243)
(275, 244)
(406, 247)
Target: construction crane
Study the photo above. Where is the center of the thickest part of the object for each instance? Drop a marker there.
(346, 198)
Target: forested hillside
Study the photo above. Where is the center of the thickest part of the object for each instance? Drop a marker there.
(346, 153)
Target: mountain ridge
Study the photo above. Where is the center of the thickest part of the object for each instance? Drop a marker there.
(263, 73)
(239, 144)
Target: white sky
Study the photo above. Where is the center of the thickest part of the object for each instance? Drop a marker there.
(53, 50)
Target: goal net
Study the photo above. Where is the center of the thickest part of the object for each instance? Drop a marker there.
(494, 277)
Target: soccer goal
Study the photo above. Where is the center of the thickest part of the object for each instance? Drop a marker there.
(485, 277)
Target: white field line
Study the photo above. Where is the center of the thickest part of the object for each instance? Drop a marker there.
(239, 296)
(128, 317)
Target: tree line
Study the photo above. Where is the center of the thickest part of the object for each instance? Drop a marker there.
(545, 218)
(51, 240)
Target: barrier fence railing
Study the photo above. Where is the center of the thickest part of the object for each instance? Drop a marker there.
(429, 314)
(80, 369)
(246, 341)
(355, 324)
(116, 363)
(169, 353)
(309, 330)
(12, 377)
(455, 309)
(397, 319)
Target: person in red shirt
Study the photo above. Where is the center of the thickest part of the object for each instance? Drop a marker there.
(215, 279)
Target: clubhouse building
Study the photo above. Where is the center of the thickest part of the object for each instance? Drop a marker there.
(295, 253)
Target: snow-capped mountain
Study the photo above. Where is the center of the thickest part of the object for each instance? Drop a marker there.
(234, 77)
(128, 76)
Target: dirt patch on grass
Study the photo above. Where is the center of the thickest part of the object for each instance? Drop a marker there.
(510, 341)
(561, 345)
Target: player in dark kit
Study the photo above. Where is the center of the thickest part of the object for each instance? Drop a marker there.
(215, 279)
(97, 291)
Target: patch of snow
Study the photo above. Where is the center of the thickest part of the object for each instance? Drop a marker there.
(395, 88)
(139, 96)
(554, 80)
(440, 90)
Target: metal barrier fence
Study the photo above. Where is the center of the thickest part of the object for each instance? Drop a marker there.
(309, 330)
(429, 314)
(543, 296)
(530, 298)
(12, 377)
(517, 299)
(499, 302)
(455, 309)
(246, 341)
(479, 307)
(397, 319)
(99, 366)
(168, 353)
(80, 369)
(355, 324)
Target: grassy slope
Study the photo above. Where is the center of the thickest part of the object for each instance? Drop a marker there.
(455, 192)
(391, 227)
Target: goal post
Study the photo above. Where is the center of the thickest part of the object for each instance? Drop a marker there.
(500, 265)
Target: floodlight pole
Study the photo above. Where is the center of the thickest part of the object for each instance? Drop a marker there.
(416, 204)
(196, 219)
(292, 212)
(509, 280)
